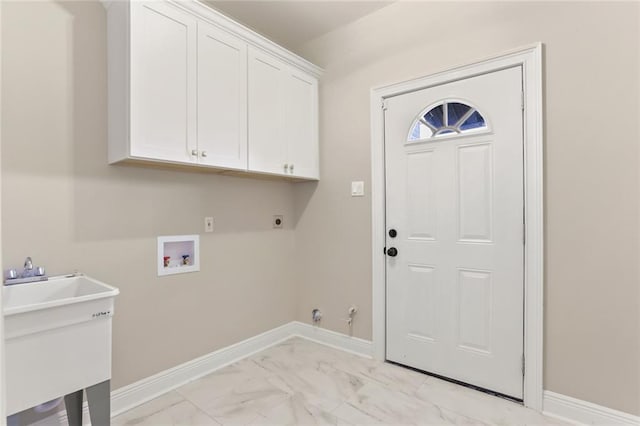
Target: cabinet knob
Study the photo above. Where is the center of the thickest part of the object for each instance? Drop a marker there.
(291, 168)
(204, 153)
(194, 152)
(286, 167)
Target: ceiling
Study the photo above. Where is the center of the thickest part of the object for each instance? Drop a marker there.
(291, 23)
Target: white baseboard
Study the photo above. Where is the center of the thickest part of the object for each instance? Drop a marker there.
(582, 412)
(555, 405)
(132, 395)
(333, 339)
(144, 390)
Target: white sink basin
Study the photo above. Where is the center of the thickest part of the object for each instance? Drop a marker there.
(56, 291)
(57, 338)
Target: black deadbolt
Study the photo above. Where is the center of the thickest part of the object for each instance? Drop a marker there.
(392, 251)
(393, 233)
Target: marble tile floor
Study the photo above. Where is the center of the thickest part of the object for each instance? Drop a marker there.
(299, 382)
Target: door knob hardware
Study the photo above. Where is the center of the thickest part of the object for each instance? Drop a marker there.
(393, 233)
(392, 251)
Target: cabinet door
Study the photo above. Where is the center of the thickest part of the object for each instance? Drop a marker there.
(267, 143)
(163, 82)
(222, 98)
(301, 124)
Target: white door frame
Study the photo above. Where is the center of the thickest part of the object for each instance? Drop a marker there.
(530, 58)
(3, 418)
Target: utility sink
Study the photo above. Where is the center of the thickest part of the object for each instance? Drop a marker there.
(57, 291)
(57, 338)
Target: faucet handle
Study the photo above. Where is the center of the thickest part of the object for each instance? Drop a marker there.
(12, 274)
(39, 271)
(28, 264)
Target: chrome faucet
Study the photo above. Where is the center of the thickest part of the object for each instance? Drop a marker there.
(28, 266)
(28, 274)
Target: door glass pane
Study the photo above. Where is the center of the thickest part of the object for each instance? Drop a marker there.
(475, 121)
(456, 111)
(435, 117)
(420, 131)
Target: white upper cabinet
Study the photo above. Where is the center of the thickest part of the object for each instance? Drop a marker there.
(267, 138)
(283, 118)
(192, 87)
(163, 89)
(222, 98)
(301, 122)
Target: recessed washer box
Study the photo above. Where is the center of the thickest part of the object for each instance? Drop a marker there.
(178, 254)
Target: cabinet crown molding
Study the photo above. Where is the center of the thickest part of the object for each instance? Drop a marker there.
(218, 19)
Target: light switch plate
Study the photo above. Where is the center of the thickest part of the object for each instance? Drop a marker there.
(357, 189)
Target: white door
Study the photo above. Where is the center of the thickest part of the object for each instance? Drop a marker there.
(222, 98)
(301, 115)
(454, 196)
(163, 82)
(267, 138)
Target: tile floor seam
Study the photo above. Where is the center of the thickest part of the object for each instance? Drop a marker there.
(202, 411)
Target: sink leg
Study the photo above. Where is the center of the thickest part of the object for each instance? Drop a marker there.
(73, 404)
(99, 399)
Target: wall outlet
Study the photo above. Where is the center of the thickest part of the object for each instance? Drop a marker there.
(208, 224)
(278, 221)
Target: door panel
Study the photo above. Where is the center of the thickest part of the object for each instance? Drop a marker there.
(474, 177)
(421, 196)
(163, 82)
(222, 98)
(421, 319)
(455, 288)
(474, 310)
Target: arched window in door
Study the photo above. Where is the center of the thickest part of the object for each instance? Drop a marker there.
(446, 118)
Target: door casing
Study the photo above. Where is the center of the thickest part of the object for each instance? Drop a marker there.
(530, 58)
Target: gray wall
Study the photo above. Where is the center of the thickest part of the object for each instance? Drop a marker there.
(64, 206)
(592, 323)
